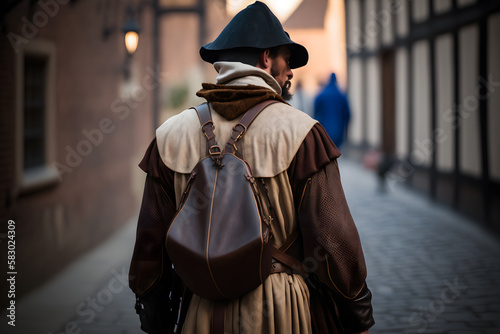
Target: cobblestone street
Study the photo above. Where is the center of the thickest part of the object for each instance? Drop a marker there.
(430, 270)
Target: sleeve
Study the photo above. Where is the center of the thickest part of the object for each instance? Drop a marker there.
(316, 151)
(151, 276)
(331, 244)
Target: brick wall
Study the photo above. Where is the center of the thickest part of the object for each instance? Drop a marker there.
(56, 224)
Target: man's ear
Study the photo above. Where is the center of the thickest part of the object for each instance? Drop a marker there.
(265, 60)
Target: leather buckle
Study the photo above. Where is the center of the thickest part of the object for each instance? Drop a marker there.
(242, 132)
(203, 128)
(215, 150)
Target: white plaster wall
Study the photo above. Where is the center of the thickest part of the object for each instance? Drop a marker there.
(442, 6)
(354, 28)
(422, 147)
(403, 24)
(371, 28)
(355, 95)
(420, 10)
(445, 140)
(494, 97)
(373, 96)
(463, 3)
(386, 18)
(470, 155)
(401, 100)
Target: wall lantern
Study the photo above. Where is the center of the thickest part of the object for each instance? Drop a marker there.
(131, 31)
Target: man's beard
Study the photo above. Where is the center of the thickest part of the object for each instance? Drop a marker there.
(285, 89)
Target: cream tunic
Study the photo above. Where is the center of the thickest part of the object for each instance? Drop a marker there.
(281, 303)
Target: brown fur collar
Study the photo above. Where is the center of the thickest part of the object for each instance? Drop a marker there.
(232, 101)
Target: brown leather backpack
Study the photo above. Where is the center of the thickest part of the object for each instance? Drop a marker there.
(219, 239)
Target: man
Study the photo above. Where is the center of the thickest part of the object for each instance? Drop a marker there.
(293, 154)
(331, 109)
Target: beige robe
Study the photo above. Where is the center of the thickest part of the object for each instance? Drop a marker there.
(281, 303)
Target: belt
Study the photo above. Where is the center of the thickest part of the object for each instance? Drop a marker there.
(279, 267)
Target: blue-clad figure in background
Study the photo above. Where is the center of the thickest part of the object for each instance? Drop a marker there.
(331, 109)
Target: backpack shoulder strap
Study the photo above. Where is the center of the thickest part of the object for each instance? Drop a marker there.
(289, 262)
(240, 128)
(207, 127)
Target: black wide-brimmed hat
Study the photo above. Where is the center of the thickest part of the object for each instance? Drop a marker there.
(255, 27)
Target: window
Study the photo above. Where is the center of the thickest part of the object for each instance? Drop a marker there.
(35, 116)
(35, 79)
